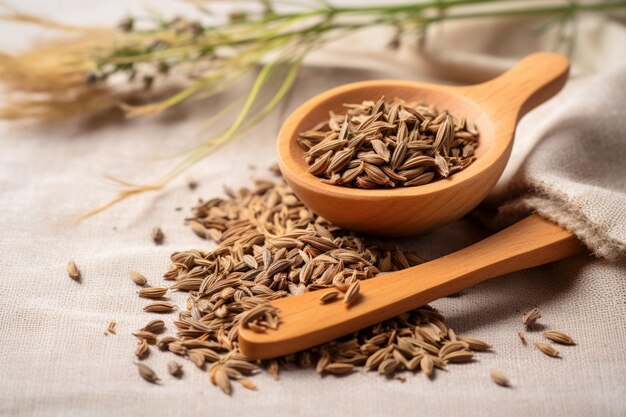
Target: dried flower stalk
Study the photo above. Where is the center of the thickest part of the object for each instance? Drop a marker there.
(135, 65)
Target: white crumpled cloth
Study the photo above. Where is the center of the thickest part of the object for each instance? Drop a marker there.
(567, 164)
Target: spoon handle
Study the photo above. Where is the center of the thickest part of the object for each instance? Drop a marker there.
(305, 322)
(534, 80)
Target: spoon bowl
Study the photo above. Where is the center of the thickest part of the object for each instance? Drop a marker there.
(493, 107)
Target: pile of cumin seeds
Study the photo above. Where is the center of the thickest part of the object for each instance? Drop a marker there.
(269, 245)
(388, 144)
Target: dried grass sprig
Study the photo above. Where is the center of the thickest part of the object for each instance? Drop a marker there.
(94, 69)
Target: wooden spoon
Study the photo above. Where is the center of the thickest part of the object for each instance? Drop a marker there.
(306, 322)
(495, 107)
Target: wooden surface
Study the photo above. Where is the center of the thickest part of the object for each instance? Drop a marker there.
(495, 107)
(306, 322)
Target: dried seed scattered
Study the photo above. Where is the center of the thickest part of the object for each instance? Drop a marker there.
(175, 368)
(499, 378)
(222, 380)
(427, 365)
(329, 296)
(111, 327)
(531, 317)
(149, 337)
(157, 235)
(475, 344)
(352, 293)
(388, 366)
(338, 368)
(164, 342)
(138, 278)
(152, 292)
(73, 271)
(547, 349)
(159, 307)
(269, 246)
(154, 326)
(558, 337)
(147, 373)
(522, 337)
(246, 383)
(142, 349)
(459, 356)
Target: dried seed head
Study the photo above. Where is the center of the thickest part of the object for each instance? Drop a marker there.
(147, 373)
(72, 270)
(499, 378)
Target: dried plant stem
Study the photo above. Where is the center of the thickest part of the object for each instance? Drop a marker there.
(78, 75)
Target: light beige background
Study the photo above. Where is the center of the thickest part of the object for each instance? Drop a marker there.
(56, 361)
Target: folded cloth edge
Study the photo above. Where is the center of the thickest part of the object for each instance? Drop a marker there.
(525, 197)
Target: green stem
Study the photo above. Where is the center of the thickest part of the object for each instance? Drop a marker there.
(387, 15)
